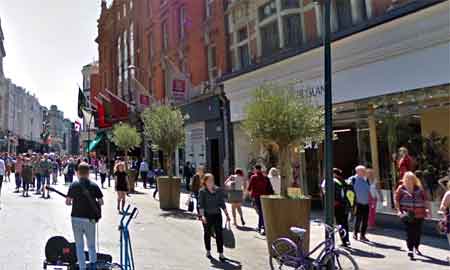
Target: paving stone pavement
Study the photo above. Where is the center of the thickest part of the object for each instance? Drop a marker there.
(173, 240)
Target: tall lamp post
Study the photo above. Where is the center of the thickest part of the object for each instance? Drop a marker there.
(329, 185)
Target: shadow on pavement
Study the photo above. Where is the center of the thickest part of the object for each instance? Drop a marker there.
(245, 229)
(383, 246)
(435, 242)
(179, 214)
(431, 260)
(362, 253)
(228, 265)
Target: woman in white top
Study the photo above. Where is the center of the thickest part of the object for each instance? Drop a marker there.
(236, 185)
(275, 180)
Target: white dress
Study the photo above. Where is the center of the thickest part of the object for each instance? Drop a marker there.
(276, 184)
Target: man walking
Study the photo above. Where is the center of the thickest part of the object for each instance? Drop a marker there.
(143, 170)
(187, 174)
(86, 199)
(18, 173)
(259, 185)
(361, 188)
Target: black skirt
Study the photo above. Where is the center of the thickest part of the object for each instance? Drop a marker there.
(121, 181)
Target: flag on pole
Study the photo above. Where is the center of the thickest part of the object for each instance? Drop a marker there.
(77, 126)
(82, 102)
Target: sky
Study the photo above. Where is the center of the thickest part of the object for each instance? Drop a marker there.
(47, 42)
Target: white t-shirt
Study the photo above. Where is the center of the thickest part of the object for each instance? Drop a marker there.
(276, 184)
(236, 182)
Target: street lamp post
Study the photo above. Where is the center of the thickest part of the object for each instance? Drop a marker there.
(329, 182)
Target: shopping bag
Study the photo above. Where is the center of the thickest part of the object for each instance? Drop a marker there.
(190, 205)
(229, 241)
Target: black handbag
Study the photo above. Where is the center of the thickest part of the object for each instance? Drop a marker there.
(191, 205)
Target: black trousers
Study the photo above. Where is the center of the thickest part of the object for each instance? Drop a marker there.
(362, 217)
(144, 178)
(213, 222)
(340, 214)
(1, 183)
(413, 233)
(103, 178)
(188, 182)
(258, 207)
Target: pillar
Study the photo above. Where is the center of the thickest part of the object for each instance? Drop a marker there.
(373, 142)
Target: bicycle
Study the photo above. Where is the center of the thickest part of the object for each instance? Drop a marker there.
(286, 254)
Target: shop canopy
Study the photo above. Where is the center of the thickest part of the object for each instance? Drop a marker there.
(93, 144)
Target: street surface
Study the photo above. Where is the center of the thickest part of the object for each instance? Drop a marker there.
(173, 240)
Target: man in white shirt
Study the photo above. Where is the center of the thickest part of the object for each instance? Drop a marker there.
(2, 173)
(143, 169)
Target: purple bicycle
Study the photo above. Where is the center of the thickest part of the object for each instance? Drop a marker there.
(286, 254)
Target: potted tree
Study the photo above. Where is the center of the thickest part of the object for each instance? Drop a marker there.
(163, 125)
(126, 138)
(279, 117)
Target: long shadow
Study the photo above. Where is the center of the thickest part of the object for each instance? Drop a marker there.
(431, 260)
(435, 242)
(245, 229)
(179, 214)
(228, 265)
(383, 246)
(362, 253)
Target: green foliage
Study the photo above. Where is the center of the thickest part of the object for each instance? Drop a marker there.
(279, 116)
(280, 119)
(164, 126)
(126, 137)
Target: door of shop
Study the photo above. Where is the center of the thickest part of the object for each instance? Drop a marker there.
(214, 159)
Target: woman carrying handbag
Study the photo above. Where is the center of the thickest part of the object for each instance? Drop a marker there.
(412, 207)
(236, 185)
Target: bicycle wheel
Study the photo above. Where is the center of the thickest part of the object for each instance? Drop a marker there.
(342, 261)
(283, 255)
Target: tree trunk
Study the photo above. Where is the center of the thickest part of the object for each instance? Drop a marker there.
(169, 165)
(285, 169)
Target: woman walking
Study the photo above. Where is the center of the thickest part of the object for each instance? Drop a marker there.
(236, 185)
(275, 180)
(197, 182)
(103, 170)
(27, 176)
(212, 203)
(412, 207)
(122, 187)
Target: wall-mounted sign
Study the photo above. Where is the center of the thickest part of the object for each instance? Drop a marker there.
(179, 91)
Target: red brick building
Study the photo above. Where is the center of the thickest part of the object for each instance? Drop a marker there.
(173, 51)
(163, 40)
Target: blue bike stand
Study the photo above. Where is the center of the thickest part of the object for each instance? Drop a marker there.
(126, 249)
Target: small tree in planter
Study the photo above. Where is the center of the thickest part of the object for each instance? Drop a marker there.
(164, 126)
(283, 119)
(126, 138)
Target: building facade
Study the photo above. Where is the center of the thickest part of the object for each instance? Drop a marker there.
(172, 51)
(55, 119)
(390, 69)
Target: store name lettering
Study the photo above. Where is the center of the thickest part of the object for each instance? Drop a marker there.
(310, 91)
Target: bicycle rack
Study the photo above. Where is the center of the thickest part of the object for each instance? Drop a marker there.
(126, 249)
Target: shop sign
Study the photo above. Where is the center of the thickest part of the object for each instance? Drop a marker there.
(179, 91)
(313, 92)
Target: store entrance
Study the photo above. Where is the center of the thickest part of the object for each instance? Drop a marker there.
(345, 152)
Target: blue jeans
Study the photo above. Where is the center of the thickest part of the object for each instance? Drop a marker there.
(84, 227)
(38, 182)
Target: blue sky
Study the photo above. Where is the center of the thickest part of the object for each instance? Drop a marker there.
(47, 42)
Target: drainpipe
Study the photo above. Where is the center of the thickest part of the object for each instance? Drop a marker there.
(228, 137)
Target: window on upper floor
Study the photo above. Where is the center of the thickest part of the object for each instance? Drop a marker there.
(244, 56)
(344, 14)
(209, 8)
(182, 22)
(242, 34)
(270, 38)
(287, 4)
(212, 64)
(165, 35)
(131, 4)
(132, 56)
(124, 8)
(267, 10)
(292, 30)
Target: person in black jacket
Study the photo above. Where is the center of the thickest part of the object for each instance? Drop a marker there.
(342, 203)
(86, 198)
(211, 205)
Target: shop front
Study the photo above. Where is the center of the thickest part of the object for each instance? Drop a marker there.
(390, 89)
(205, 140)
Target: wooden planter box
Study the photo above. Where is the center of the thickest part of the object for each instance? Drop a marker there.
(169, 192)
(280, 214)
